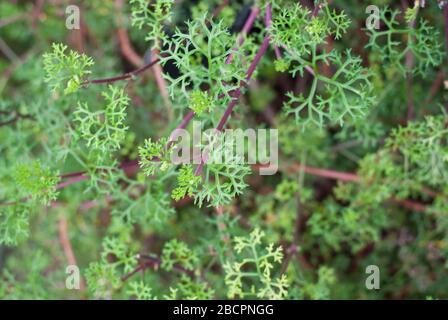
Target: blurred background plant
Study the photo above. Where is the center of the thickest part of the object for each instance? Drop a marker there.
(363, 142)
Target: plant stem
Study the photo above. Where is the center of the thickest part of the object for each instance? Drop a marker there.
(219, 8)
(123, 38)
(246, 28)
(325, 173)
(71, 181)
(182, 125)
(317, 9)
(233, 103)
(147, 261)
(64, 239)
(126, 76)
(268, 23)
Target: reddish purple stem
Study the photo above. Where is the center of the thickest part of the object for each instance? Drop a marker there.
(71, 181)
(246, 28)
(232, 104)
(317, 9)
(125, 76)
(268, 23)
(249, 74)
(77, 178)
(182, 125)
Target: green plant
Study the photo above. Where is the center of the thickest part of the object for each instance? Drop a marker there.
(105, 129)
(421, 41)
(347, 94)
(65, 70)
(260, 272)
(152, 16)
(89, 174)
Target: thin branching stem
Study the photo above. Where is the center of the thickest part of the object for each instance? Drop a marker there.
(232, 104)
(147, 261)
(246, 29)
(126, 76)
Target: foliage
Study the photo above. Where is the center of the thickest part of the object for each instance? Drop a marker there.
(237, 278)
(153, 16)
(224, 180)
(140, 291)
(320, 290)
(203, 42)
(89, 149)
(14, 225)
(153, 156)
(187, 183)
(422, 42)
(175, 252)
(37, 181)
(347, 94)
(200, 101)
(105, 129)
(65, 70)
